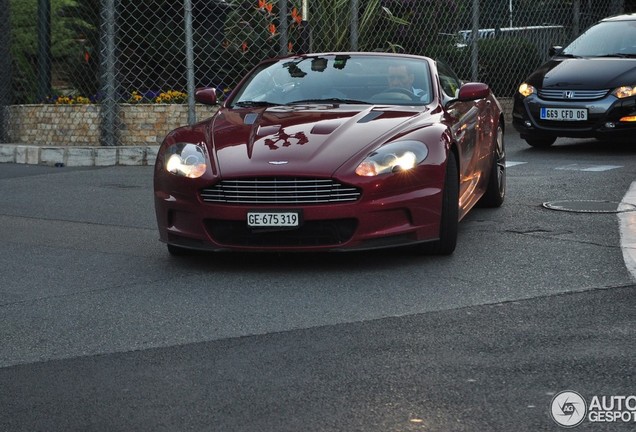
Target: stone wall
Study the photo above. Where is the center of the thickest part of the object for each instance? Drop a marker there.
(78, 125)
(139, 125)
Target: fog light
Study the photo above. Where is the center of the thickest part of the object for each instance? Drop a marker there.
(610, 125)
(527, 123)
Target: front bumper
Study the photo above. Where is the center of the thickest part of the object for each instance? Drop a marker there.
(409, 217)
(604, 118)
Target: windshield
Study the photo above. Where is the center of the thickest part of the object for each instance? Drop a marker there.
(337, 79)
(605, 39)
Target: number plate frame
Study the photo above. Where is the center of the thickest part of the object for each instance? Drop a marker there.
(563, 114)
(278, 219)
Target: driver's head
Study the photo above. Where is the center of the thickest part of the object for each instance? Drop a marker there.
(400, 77)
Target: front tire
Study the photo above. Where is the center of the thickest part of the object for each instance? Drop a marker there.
(540, 142)
(449, 223)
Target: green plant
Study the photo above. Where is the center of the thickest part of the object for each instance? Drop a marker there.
(23, 19)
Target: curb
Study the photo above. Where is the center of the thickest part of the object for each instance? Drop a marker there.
(78, 156)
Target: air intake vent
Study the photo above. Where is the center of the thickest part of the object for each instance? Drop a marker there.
(269, 191)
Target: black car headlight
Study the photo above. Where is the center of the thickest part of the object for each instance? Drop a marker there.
(625, 92)
(394, 157)
(185, 160)
(526, 90)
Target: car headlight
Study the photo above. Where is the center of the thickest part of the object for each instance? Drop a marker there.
(624, 92)
(526, 89)
(395, 157)
(185, 160)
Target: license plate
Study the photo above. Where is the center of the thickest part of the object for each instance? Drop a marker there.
(273, 219)
(564, 114)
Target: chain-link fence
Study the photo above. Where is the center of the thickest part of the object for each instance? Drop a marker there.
(114, 52)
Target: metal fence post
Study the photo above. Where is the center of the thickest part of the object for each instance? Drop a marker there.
(189, 46)
(108, 79)
(474, 54)
(282, 27)
(305, 30)
(354, 25)
(44, 49)
(576, 18)
(5, 70)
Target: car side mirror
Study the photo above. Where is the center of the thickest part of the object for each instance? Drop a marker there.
(206, 96)
(555, 50)
(472, 91)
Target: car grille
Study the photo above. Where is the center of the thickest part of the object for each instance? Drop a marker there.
(310, 233)
(279, 191)
(572, 94)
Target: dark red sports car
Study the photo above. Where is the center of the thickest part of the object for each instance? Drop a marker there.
(338, 151)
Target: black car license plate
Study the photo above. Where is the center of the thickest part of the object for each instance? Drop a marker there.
(564, 114)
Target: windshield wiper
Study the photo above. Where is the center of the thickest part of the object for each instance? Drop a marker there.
(619, 55)
(330, 100)
(567, 55)
(248, 104)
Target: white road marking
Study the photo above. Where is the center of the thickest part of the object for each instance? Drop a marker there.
(628, 229)
(511, 163)
(589, 168)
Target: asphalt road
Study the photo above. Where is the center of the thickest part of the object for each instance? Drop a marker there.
(101, 329)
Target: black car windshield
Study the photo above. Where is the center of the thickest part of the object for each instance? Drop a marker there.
(337, 79)
(605, 39)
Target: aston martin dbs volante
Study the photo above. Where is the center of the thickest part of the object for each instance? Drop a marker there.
(586, 90)
(334, 151)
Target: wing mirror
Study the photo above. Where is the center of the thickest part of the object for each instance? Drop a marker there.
(473, 90)
(555, 50)
(206, 96)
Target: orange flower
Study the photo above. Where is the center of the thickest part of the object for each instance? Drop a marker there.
(264, 5)
(272, 29)
(296, 16)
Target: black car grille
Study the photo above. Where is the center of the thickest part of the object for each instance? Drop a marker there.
(270, 191)
(310, 233)
(572, 94)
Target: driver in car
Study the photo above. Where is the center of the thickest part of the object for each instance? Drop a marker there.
(400, 76)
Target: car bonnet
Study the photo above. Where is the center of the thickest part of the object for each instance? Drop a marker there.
(308, 140)
(585, 73)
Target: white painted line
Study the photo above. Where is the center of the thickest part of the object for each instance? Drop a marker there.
(588, 168)
(511, 163)
(628, 230)
(600, 168)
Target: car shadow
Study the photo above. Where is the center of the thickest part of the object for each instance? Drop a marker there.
(303, 262)
(571, 146)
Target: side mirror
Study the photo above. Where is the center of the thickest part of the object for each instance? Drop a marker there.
(472, 91)
(206, 96)
(555, 50)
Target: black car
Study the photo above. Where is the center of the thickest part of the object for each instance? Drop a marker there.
(586, 90)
